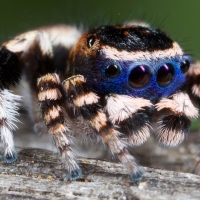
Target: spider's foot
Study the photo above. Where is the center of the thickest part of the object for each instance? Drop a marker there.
(137, 176)
(8, 158)
(74, 174)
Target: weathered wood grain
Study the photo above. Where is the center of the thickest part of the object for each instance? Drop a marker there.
(38, 174)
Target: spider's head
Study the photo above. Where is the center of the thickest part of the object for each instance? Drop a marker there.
(132, 60)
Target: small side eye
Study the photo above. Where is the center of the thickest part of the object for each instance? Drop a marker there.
(165, 74)
(90, 41)
(112, 71)
(185, 65)
(139, 76)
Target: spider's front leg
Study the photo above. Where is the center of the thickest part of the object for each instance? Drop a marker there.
(50, 96)
(82, 102)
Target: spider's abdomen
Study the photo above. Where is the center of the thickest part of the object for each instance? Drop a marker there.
(132, 60)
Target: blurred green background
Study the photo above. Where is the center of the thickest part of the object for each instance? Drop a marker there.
(180, 18)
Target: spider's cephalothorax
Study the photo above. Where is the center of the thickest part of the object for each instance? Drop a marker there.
(113, 78)
(136, 61)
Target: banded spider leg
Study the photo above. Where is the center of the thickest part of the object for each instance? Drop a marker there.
(84, 104)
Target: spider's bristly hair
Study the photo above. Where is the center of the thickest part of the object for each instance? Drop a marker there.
(43, 51)
(50, 98)
(126, 38)
(79, 98)
(9, 107)
(173, 128)
(193, 83)
(78, 93)
(10, 71)
(126, 112)
(87, 103)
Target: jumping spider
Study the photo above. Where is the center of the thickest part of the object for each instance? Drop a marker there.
(107, 82)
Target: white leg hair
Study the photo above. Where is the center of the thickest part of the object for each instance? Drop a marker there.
(174, 127)
(47, 38)
(179, 103)
(8, 112)
(123, 112)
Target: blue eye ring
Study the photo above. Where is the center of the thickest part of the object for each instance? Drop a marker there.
(165, 74)
(112, 71)
(139, 76)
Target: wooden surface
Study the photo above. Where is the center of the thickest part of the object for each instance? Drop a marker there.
(38, 174)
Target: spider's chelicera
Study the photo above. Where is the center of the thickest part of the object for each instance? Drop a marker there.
(105, 82)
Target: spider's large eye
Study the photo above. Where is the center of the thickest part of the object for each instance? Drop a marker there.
(139, 76)
(185, 66)
(165, 74)
(112, 71)
(90, 41)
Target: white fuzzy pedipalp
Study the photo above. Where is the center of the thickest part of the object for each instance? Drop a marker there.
(121, 107)
(179, 104)
(196, 90)
(8, 112)
(140, 137)
(170, 138)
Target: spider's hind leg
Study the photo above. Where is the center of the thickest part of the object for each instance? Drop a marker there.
(51, 100)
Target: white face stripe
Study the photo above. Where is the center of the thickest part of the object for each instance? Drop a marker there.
(114, 54)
